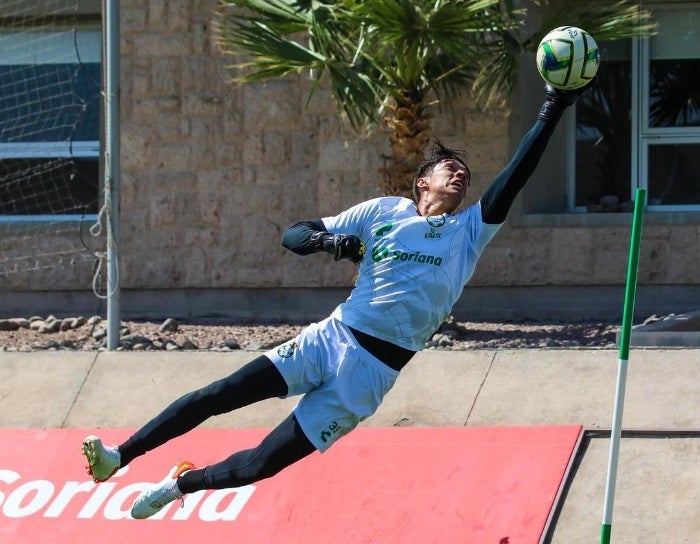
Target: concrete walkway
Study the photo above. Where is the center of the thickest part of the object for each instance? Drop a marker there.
(658, 485)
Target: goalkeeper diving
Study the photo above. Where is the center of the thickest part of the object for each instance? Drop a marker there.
(414, 258)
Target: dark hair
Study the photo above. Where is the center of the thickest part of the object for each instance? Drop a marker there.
(436, 154)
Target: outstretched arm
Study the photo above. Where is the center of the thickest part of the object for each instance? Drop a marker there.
(499, 197)
(311, 236)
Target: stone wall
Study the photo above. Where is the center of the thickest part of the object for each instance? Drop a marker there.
(212, 174)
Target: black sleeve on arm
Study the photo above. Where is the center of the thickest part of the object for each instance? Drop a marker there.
(498, 198)
(299, 237)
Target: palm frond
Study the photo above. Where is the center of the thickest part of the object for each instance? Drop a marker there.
(355, 93)
(496, 79)
(269, 54)
(604, 21)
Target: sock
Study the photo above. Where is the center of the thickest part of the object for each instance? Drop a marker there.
(191, 481)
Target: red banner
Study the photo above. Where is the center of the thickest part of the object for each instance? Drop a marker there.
(399, 485)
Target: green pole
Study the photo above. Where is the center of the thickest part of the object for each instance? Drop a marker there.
(627, 318)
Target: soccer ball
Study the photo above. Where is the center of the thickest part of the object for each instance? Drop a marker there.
(568, 58)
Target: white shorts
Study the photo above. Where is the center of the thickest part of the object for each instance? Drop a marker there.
(343, 383)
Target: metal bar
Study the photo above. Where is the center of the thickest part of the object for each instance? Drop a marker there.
(112, 170)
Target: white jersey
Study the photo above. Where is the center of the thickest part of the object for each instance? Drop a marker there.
(414, 269)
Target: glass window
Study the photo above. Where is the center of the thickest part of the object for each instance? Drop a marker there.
(603, 132)
(640, 126)
(674, 174)
(670, 139)
(49, 122)
(674, 68)
(674, 93)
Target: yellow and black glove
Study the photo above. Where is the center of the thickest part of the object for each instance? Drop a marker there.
(341, 246)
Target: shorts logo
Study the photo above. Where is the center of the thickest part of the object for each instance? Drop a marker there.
(333, 428)
(286, 350)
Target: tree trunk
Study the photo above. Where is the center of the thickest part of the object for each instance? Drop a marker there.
(409, 135)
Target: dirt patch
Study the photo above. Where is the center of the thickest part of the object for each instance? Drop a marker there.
(90, 334)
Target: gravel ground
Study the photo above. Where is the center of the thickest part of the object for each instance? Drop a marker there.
(78, 333)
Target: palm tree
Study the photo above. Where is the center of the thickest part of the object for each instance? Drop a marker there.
(389, 61)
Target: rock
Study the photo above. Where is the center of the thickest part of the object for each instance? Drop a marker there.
(609, 200)
(37, 324)
(169, 325)
(54, 325)
(77, 322)
(627, 206)
(135, 339)
(444, 341)
(232, 343)
(8, 325)
(23, 323)
(188, 344)
(51, 344)
(651, 319)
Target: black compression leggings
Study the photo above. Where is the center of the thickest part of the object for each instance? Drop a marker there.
(256, 381)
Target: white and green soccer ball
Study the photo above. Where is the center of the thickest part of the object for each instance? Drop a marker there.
(568, 58)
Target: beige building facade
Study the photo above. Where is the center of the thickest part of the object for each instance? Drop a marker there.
(211, 175)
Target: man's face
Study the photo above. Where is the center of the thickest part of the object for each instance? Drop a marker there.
(449, 179)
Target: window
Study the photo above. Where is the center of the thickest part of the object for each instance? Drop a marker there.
(49, 122)
(603, 140)
(641, 125)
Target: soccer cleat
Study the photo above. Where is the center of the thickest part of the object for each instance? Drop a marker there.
(152, 500)
(102, 461)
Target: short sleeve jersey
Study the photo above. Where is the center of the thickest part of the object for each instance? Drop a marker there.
(414, 269)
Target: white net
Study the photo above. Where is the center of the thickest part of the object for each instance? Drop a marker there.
(50, 80)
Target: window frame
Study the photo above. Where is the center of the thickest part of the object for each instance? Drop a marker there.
(642, 134)
(648, 135)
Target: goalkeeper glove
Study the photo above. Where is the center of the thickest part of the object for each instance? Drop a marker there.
(557, 100)
(341, 246)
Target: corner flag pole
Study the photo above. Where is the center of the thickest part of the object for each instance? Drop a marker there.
(627, 317)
